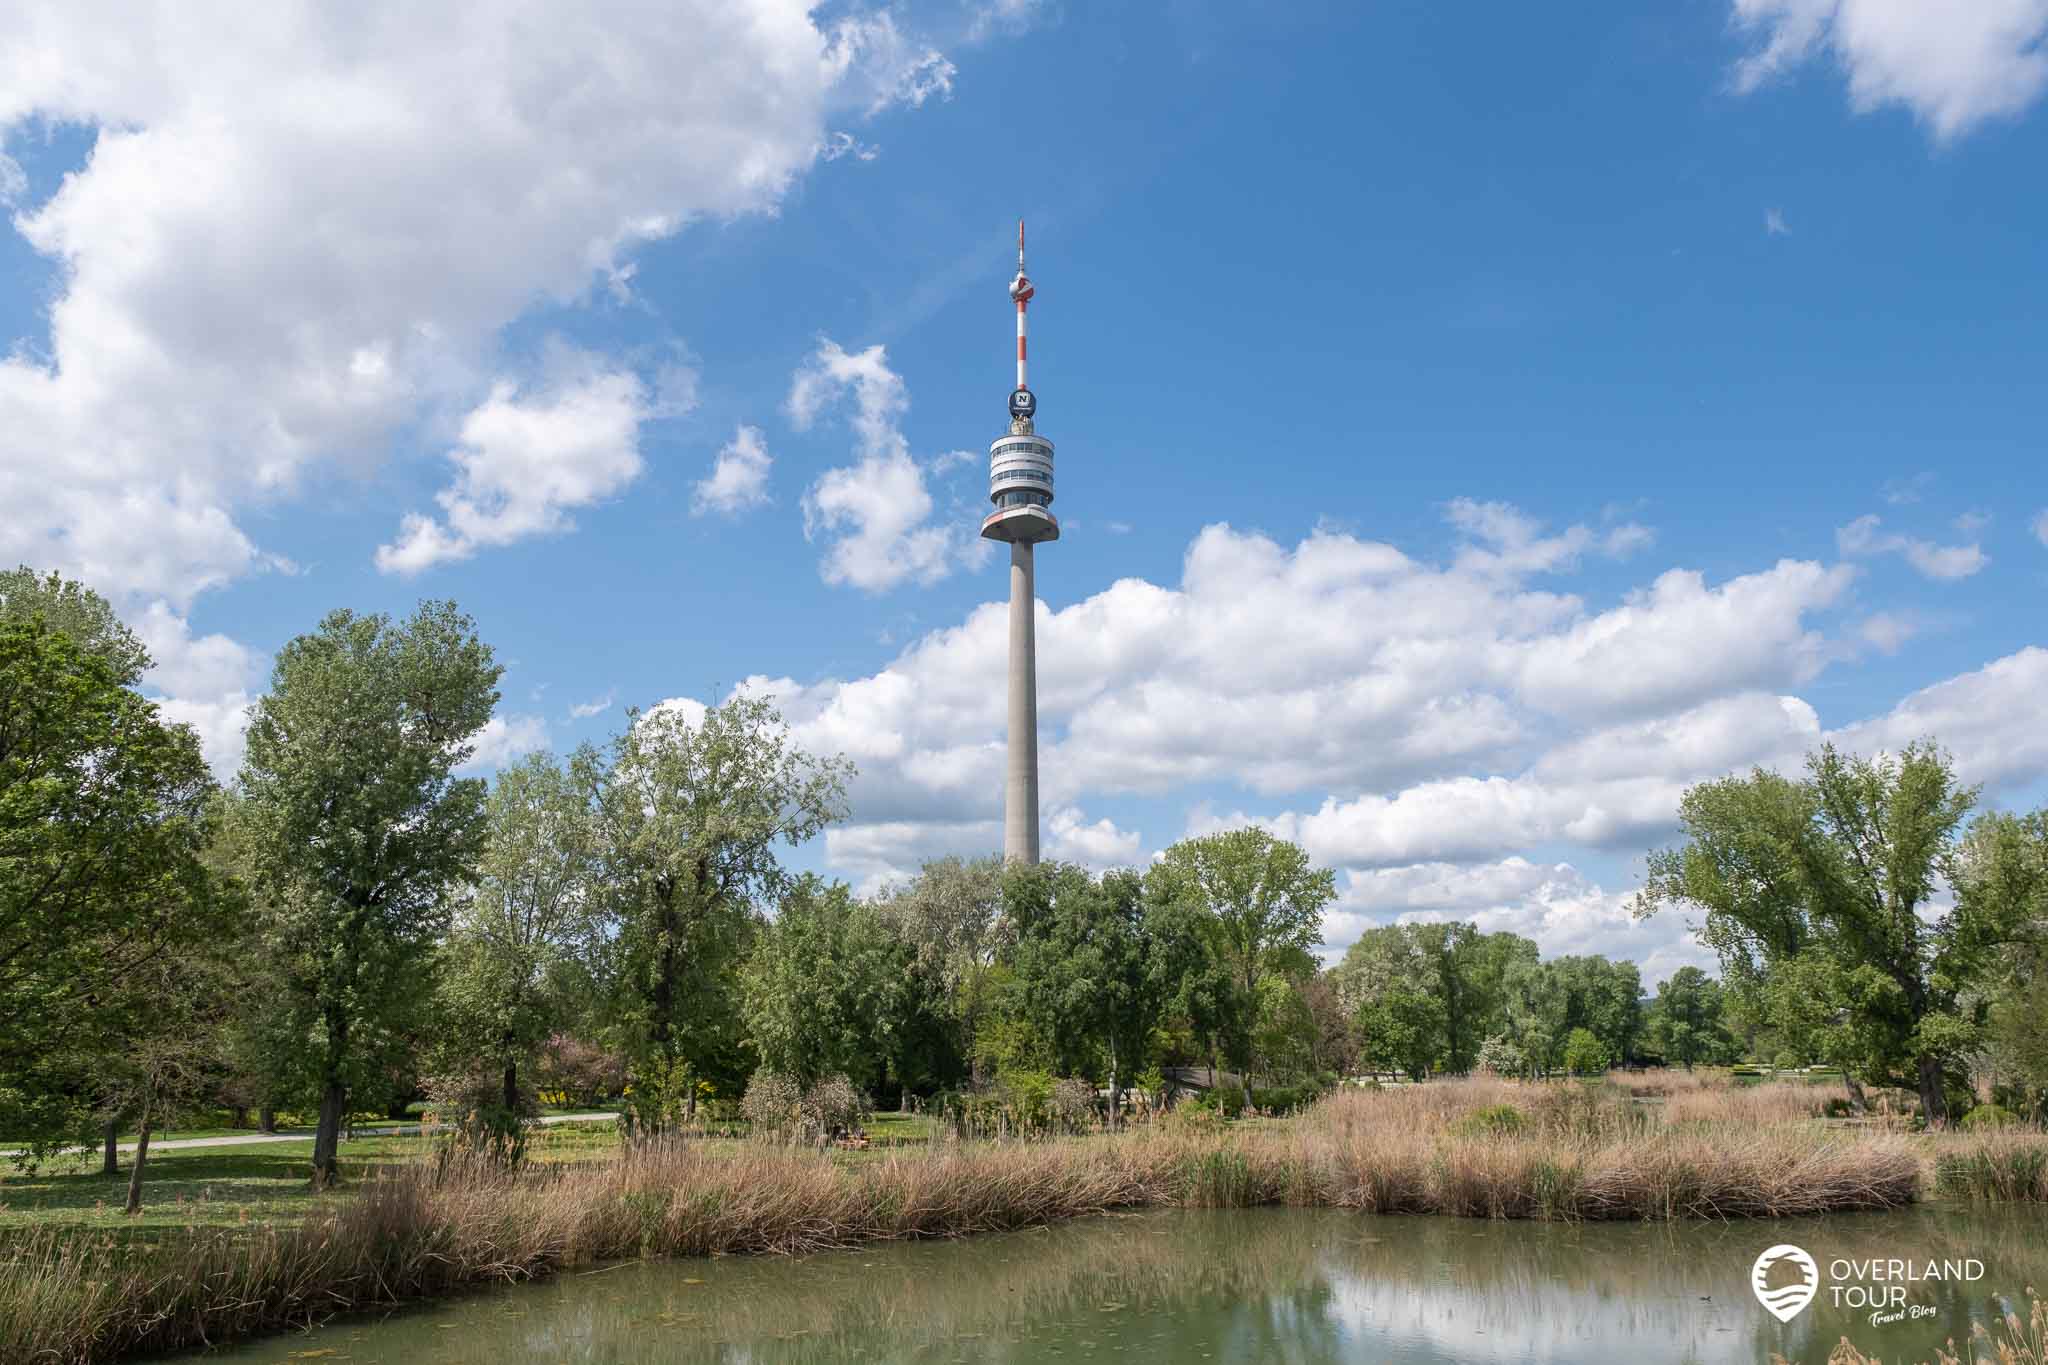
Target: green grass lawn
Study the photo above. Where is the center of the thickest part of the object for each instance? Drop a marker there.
(199, 1187)
(194, 1187)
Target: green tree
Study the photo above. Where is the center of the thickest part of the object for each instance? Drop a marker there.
(1265, 903)
(1838, 870)
(1584, 1053)
(77, 613)
(516, 965)
(950, 918)
(690, 819)
(1684, 1022)
(1095, 971)
(824, 989)
(1390, 977)
(1537, 1006)
(1203, 1012)
(358, 827)
(1604, 997)
(2004, 881)
(174, 1010)
(1486, 960)
(103, 820)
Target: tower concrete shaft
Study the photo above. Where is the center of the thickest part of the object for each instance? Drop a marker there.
(1020, 787)
(1020, 486)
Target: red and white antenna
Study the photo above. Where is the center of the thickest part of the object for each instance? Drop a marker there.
(1021, 291)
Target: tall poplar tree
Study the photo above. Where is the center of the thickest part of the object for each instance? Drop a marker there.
(691, 818)
(359, 827)
(1264, 901)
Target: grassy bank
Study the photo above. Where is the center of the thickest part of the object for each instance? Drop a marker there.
(1473, 1149)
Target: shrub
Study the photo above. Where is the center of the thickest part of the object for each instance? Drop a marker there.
(583, 1073)
(1501, 1057)
(773, 1104)
(1072, 1103)
(473, 1103)
(1027, 1096)
(1785, 1061)
(1282, 1099)
(832, 1104)
(2029, 1102)
(1988, 1116)
(1584, 1054)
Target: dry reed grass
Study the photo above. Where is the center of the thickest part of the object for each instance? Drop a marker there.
(1772, 1102)
(1578, 1153)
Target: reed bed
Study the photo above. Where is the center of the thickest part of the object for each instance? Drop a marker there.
(2006, 1166)
(1768, 1103)
(1570, 1152)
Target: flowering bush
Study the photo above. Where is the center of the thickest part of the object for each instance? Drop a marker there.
(832, 1104)
(579, 1072)
(1073, 1103)
(773, 1104)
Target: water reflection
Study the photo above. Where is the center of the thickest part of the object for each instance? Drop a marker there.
(1271, 1285)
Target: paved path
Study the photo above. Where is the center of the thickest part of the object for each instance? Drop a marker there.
(306, 1135)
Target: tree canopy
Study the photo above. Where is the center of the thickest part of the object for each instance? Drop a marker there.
(1834, 878)
(359, 827)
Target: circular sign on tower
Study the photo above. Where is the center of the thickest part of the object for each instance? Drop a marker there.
(1022, 403)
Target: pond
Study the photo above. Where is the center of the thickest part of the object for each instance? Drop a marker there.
(1269, 1284)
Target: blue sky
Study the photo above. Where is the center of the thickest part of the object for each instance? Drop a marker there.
(1469, 433)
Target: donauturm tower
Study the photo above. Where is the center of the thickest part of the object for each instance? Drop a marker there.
(1020, 486)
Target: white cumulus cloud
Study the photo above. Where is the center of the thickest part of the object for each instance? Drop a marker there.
(1448, 711)
(738, 478)
(302, 228)
(875, 515)
(525, 459)
(1953, 65)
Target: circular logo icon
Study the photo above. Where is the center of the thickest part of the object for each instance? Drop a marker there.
(1784, 1301)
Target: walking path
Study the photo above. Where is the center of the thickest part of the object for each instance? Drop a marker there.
(306, 1135)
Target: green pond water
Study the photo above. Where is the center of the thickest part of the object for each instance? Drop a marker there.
(1271, 1284)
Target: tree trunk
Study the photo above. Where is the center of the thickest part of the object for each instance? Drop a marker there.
(333, 1103)
(110, 1161)
(238, 1117)
(1933, 1103)
(512, 1087)
(141, 1156)
(327, 1138)
(266, 1119)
